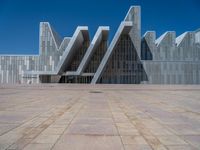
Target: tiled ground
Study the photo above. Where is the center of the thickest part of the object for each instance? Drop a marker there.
(101, 117)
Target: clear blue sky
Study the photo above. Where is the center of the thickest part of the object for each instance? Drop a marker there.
(19, 19)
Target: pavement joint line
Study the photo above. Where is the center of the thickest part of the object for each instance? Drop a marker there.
(43, 126)
(185, 109)
(114, 121)
(25, 120)
(77, 100)
(21, 123)
(140, 130)
(170, 116)
(165, 126)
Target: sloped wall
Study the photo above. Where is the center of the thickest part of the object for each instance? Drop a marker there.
(13, 67)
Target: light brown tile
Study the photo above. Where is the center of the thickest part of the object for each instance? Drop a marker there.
(76, 142)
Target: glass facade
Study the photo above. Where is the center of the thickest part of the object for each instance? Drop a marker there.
(124, 66)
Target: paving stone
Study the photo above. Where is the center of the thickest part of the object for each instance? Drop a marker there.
(161, 131)
(6, 127)
(20, 144)
(124, 131)
(133, 140)
(38, 147)
(105, 129)
(53, 131)
(171, 140)
(154, 142)
(76, 142)
(181, 147)
(121, 117)
(194, 140)
(137, 147)
(46, 139)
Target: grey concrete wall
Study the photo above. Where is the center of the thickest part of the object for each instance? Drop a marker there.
(51, 48)
(172, 72)
(12, 67)
(175, 60)
(134, 15)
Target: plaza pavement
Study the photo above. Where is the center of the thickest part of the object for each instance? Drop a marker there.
(99, 117)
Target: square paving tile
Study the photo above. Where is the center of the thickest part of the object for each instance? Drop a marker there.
(101, 129)
(120, 117)
(171, 140)
(77, 142)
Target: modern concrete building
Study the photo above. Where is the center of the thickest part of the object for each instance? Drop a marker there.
(128, 59)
